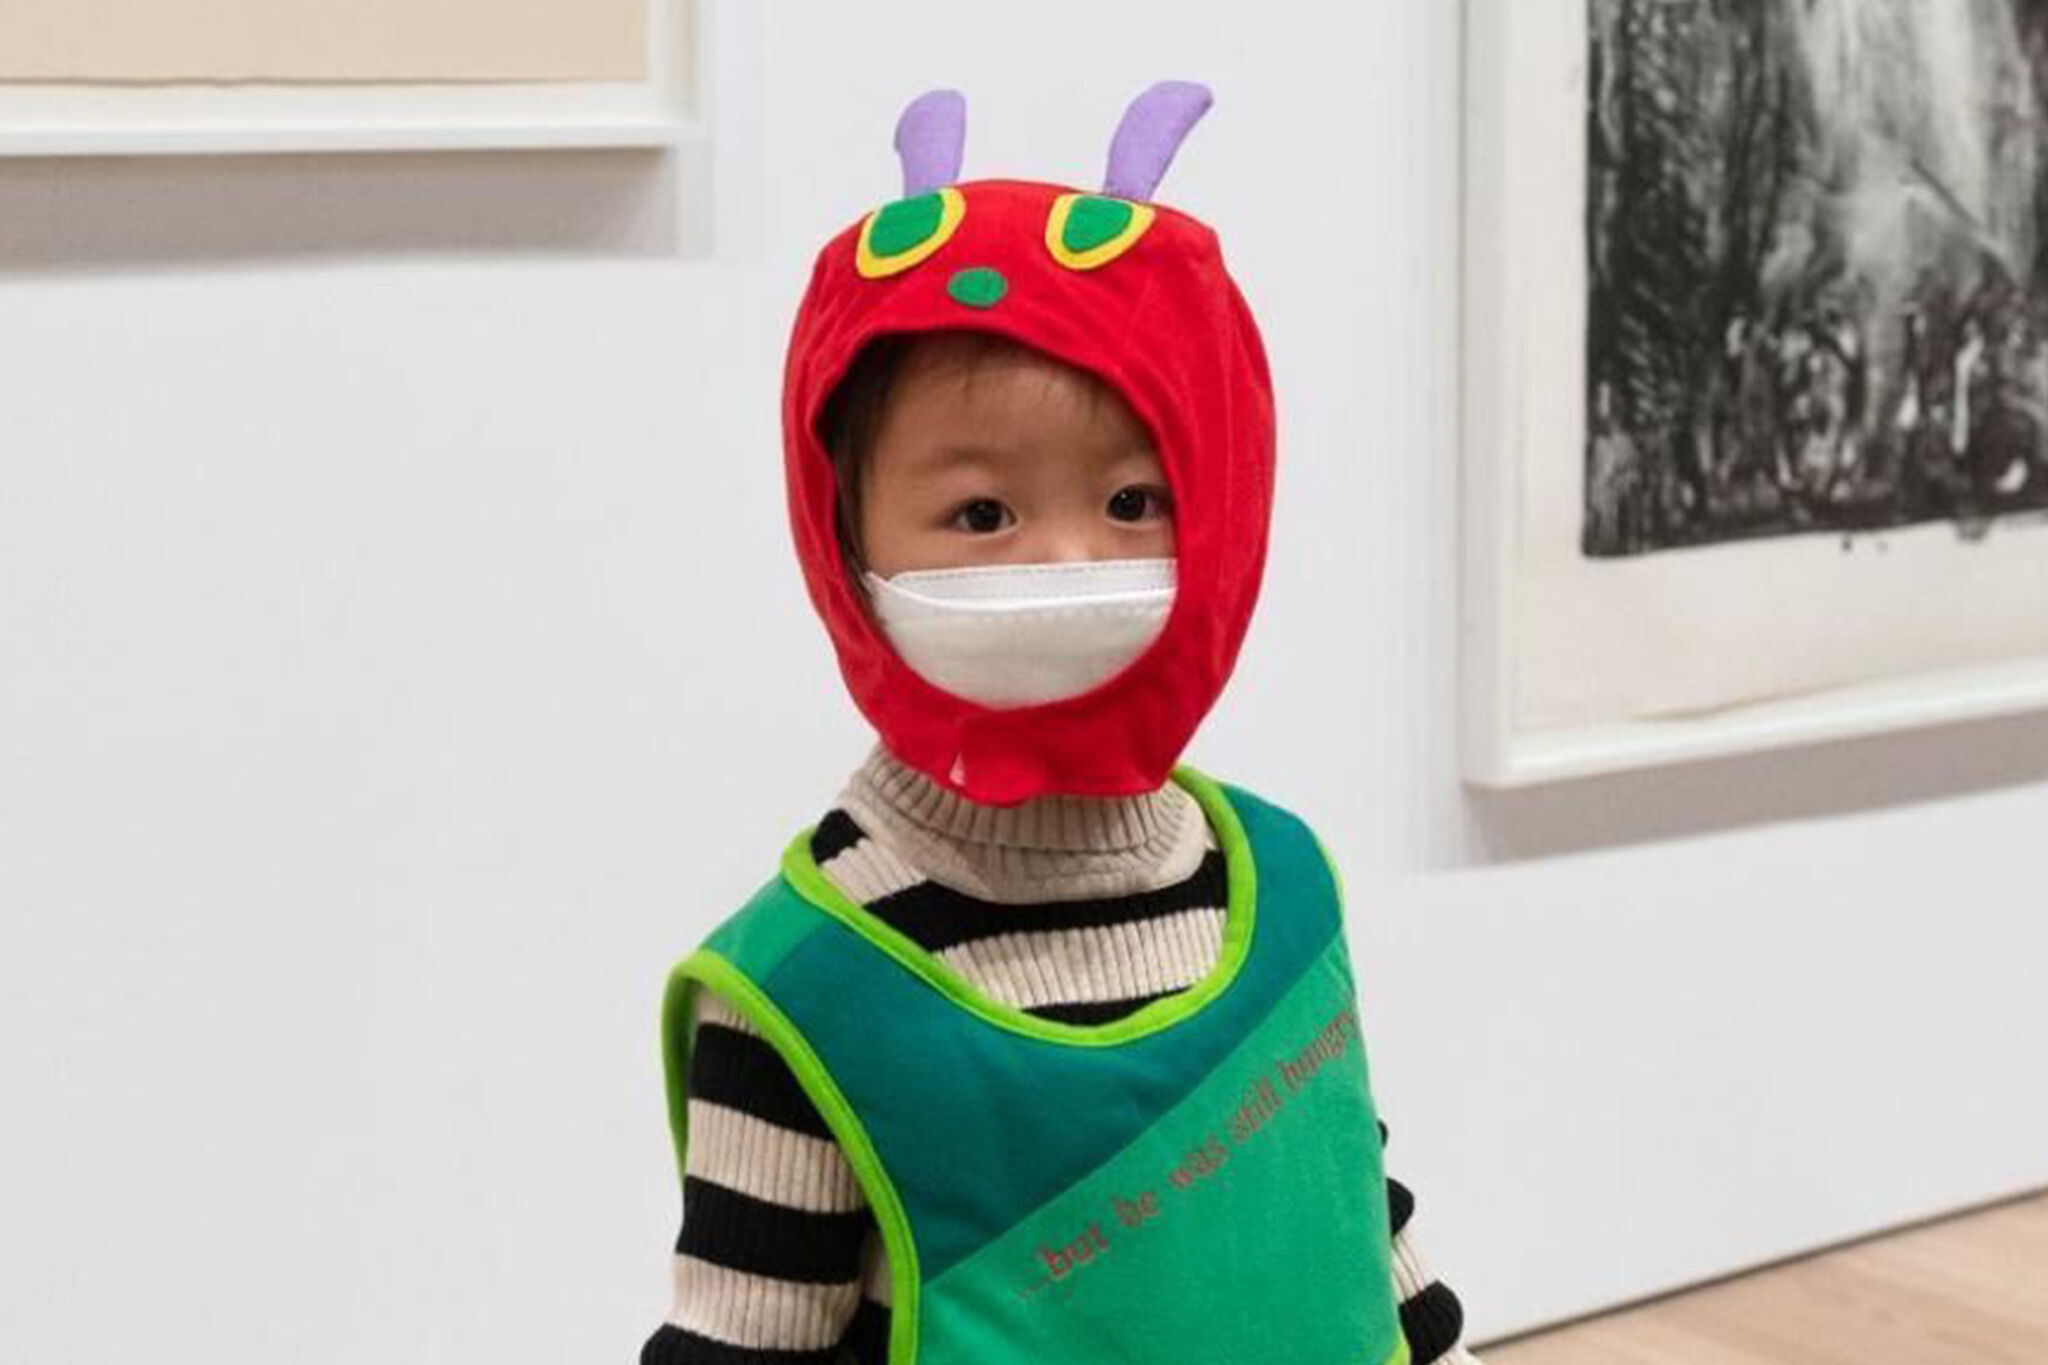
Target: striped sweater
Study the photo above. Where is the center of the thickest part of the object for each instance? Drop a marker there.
(779, 1260)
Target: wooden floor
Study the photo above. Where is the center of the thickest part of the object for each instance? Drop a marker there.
(1969, 1290)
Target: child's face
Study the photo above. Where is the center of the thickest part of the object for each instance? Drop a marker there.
(1014, 459)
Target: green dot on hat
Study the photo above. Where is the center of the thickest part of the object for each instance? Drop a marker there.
(978, 286)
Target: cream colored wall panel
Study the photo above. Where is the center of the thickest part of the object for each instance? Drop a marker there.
(323, 40)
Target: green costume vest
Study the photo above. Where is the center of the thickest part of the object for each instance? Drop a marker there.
(1198, 1182)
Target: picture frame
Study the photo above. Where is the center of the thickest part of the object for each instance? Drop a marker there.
(662, 111)
(1575, 665)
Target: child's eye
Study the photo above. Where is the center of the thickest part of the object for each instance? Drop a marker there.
(1132, 503)
(981, 515)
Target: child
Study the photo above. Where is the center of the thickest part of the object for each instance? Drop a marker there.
(1041, 1046)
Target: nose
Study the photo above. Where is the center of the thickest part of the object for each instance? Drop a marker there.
(1063, 542)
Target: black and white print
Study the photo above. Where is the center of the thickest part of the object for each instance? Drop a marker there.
(1817, 237)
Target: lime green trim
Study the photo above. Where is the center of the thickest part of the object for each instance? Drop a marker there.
(803, 874)
(1400, 1355)
(733, 985)
(1336, 873)
(675, 1061)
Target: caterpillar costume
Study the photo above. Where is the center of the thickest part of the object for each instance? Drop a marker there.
(1197, 1181)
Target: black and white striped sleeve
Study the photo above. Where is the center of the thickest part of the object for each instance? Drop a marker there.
(1432, 1318)
(769, 1261)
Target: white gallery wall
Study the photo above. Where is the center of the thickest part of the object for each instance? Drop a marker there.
(402, 662)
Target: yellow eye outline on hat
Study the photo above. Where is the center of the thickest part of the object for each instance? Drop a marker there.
(1084, 231)
(898, 235)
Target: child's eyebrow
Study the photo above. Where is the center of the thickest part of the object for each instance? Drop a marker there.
(946, 456)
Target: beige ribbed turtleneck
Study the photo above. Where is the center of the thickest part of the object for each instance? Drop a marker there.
(1049, 848)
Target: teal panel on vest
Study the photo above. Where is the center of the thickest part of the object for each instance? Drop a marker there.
(1241, 1226)
(760, 934)
(920, 1070)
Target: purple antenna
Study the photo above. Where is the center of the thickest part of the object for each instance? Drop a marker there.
(930, 138)
(1152, 129)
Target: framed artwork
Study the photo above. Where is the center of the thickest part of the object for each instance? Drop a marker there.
(143, 76)
(1755, 374)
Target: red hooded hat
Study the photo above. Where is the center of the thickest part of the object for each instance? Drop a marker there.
(1133, 291)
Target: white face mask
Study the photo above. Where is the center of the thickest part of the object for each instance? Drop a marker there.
(1020, 634)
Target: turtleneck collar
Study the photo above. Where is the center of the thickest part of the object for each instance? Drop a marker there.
(1048, 848)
